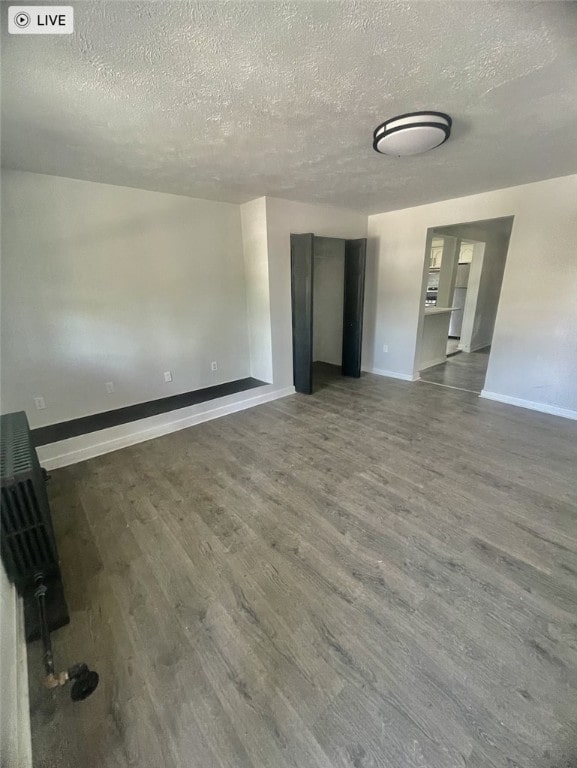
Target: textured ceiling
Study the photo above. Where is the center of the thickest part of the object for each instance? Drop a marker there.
(234, 100)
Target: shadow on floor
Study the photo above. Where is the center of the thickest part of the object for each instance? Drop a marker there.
(462, 371)
(324, 374)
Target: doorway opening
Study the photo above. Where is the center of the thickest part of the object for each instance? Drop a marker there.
(327, 283)
(463, 273)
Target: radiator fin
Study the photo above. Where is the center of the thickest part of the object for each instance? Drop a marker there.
(27, 539)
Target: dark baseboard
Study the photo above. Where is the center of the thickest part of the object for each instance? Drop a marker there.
(83, 426)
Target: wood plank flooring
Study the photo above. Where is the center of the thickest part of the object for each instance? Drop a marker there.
(382, 574)
(464, 371)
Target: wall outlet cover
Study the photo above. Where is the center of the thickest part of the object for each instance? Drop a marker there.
(214, 366)
(109, 387)
(39, 403)
(168, 376)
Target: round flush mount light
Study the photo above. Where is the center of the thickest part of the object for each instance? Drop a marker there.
(412, 134)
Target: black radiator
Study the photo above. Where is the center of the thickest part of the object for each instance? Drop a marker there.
(28, 543)
(28, 548)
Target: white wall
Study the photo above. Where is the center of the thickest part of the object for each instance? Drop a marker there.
(328, 295)
(283, 218)
(470, 310)
(15, 747)
(255, 248)
(103, 283)
(463, 272)
(494, 260)
(434, 334)
(534, 351)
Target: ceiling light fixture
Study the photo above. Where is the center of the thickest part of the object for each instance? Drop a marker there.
(412, 133)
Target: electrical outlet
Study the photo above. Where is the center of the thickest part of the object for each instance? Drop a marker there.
(109, 387)
(213, 366)
(168, 376)
(385, 347)
(39, 403)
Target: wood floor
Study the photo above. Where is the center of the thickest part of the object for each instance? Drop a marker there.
(463, 371)
(383, 574)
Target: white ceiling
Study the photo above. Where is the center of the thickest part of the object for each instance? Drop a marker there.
(234, 100)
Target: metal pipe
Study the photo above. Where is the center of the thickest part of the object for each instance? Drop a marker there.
(48, 657)
(85, 681)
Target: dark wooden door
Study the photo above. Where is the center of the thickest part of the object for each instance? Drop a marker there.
(355, 263)
(302, 311)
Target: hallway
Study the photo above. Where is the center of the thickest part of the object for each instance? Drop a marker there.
(461, 371)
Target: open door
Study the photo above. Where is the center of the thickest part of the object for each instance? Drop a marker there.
(355, 263)
(302, 311)
(302, 274)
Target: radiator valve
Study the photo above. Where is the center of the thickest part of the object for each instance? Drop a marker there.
(84, 680)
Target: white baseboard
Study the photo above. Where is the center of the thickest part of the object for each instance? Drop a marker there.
(83, 447)
(554, 410)
(392, 374)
